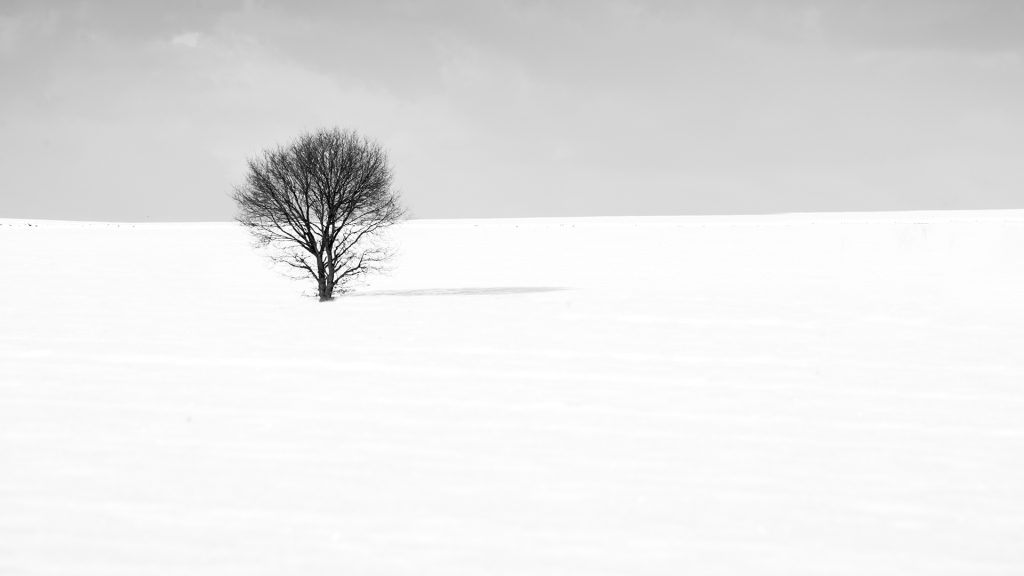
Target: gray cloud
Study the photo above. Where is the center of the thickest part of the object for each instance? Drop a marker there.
(147, 110)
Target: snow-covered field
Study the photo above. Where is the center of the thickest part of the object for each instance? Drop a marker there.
(790, 395)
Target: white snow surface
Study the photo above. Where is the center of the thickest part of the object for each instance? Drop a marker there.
(788, 395)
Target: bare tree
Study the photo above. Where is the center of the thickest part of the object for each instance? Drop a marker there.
(321, 203)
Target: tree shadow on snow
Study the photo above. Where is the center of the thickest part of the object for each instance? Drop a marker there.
(491, 291)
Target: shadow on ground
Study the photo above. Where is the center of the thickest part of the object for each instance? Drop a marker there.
(490, 291)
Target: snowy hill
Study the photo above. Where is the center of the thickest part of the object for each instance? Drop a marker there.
(793, 394)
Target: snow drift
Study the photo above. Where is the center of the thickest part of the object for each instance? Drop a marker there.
(800, 394)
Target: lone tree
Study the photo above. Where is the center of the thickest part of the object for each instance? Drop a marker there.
(321, 203)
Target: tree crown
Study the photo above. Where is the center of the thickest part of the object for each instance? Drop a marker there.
(322, 202)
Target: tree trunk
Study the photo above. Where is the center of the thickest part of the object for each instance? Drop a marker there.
(324, 283)
(324, 292)
(330, 279)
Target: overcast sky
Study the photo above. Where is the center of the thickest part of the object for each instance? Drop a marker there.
(141, 110)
